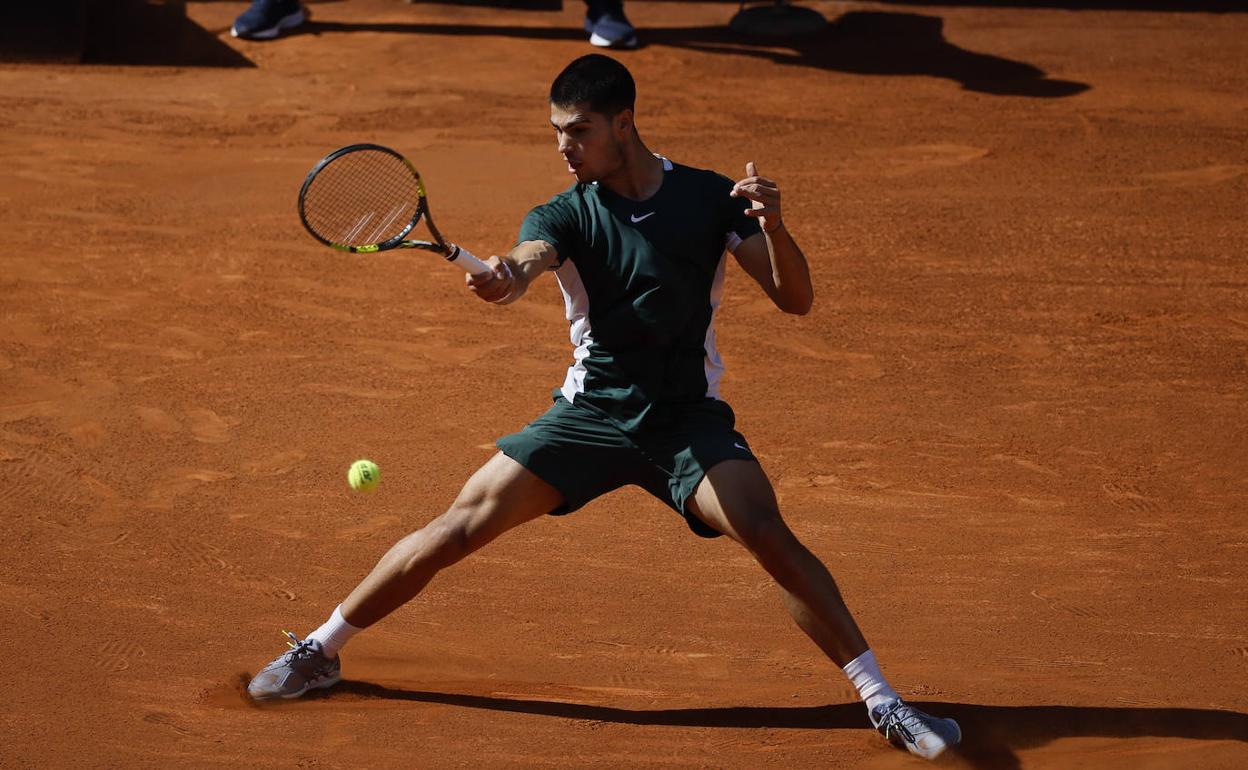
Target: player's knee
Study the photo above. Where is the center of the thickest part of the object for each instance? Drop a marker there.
(470, 523)
(465, 526)
(438, 545)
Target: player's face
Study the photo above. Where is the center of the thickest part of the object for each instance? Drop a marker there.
(591, 143)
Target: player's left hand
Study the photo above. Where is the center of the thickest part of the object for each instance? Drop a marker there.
(764, 195)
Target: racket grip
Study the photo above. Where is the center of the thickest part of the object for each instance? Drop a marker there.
(464, 259)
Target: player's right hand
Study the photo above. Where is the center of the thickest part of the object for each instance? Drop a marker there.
(495, 286)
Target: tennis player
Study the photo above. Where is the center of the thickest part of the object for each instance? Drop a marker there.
(637, 245)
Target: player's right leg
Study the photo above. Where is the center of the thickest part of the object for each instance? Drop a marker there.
(499, 496)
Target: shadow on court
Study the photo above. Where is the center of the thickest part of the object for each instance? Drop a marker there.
(1164, 6)
(141, 32)
(859, 42)
(1167, 6)
(991, 734)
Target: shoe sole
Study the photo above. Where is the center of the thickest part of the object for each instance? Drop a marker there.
(321, 685)
(602, 42)
(957, 738)
(284, 23)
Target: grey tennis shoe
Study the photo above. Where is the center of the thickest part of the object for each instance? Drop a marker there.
(301, 668)
(921, 734)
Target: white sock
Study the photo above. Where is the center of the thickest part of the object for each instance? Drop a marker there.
(865, 675)
(335, 633)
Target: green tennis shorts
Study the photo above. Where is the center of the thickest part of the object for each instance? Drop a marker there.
(580, 453)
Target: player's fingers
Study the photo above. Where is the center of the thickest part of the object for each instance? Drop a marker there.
(760, 194)
(766, 211)
(754, 180)
(736, 186)
(498, 271)
(750, 168)
(746, 192)
(758, 183)
(489, 293)
(495, 285)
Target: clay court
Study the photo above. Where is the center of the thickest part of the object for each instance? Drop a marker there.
(1013, 425)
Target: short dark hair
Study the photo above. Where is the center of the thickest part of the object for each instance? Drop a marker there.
(599, 81)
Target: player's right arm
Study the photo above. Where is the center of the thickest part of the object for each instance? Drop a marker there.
(510, 275)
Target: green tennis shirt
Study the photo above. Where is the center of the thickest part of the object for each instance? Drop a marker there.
(641, 282)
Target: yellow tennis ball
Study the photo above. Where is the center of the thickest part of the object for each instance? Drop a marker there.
(364, 475)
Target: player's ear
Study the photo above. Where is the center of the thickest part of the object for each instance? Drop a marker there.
(623, 121)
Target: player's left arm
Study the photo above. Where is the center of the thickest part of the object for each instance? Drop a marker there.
(772, 258)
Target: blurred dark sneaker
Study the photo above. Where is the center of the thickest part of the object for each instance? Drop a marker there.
(266, 19)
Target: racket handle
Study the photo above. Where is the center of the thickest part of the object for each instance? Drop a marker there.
(464, 259)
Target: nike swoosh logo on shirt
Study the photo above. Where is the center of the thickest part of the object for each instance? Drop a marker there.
(637, 219)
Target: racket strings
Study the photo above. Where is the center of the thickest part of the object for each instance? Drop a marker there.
(362, 198)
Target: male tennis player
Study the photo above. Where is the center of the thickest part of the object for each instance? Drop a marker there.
(637, 245)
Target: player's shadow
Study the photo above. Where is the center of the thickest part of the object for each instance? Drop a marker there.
(859, 42)
(991, 734)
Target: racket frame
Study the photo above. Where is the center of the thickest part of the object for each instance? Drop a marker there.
(450, 251)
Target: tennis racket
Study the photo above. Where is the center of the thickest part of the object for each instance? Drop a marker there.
(365, 198)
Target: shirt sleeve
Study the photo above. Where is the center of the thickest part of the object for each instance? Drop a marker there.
(740, 227)
(554, 223)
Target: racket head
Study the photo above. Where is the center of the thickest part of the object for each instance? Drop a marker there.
(362, 198)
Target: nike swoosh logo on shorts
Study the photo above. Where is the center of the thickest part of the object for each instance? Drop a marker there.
(740, 446)
(637, 219)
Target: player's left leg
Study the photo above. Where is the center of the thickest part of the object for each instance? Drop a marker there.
(736, 498)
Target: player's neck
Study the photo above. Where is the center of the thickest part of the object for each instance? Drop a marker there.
(639, 177)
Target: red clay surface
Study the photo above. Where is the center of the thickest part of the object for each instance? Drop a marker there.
(1013, 425)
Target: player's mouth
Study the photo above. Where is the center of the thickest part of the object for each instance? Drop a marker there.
(573, 165)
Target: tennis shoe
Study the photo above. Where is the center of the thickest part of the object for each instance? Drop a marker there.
(266, 19)
(921, 734)
(608, 27)
(301, 668)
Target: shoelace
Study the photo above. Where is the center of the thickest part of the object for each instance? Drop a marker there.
(299, 648)
(900, 719)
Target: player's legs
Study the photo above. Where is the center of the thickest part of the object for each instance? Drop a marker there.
(736, 498)
(499, 496)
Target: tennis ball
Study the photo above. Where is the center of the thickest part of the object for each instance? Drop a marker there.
(364, 475)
